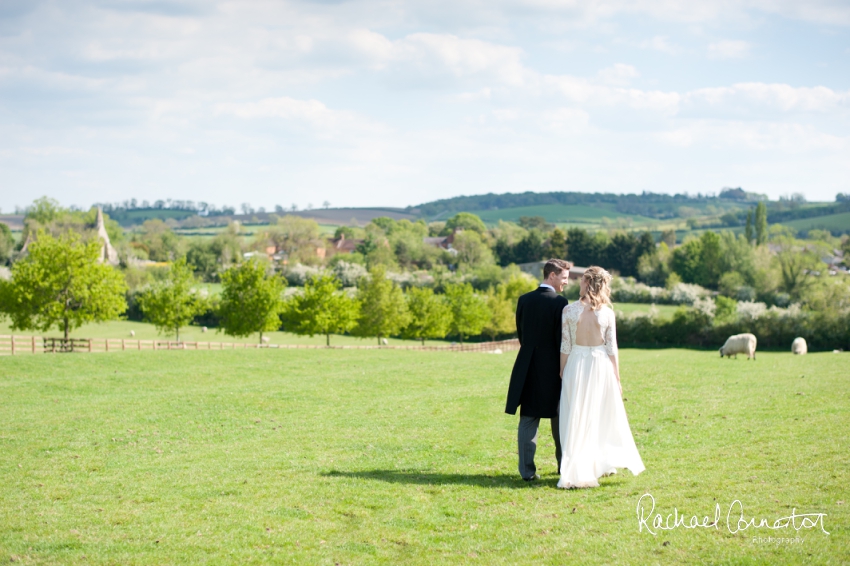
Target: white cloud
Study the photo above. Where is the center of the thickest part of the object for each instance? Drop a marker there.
(566, 120)
(618, 75)
(729, 49)
(772, 97)
(311, 112)
(757, 136)
(483, 94)
(584, 91)
(659, 43)
(831, 12)
(428, 54)
(361, 98)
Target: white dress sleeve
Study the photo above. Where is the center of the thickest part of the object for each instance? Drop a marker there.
(611, 334)
(566, 338)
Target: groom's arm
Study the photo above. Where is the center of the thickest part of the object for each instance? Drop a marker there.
(519, 320)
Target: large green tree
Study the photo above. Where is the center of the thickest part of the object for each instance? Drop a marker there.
(557, 244)
(383, 310)
(173, 303)
(251, 300)
(157, 241)
(471, 250)
(321, 309)
(464, 221)
(297, 237)
(797, 267)
(430, 315)
(699, 260)
(502, 319)
(7, 243)
(761, 223)
(469, 311)
(61, 283)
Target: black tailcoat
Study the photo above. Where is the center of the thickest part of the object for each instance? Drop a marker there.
(535, 380)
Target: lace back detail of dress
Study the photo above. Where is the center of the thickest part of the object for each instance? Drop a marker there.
(569, 324)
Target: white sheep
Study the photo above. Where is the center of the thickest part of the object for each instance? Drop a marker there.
(204, 329)
(132, 333)
(798, 346)
(265, 339)
(739, 344)
(385, 342)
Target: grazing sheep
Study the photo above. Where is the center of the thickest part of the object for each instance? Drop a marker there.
(385, 342)
(798, 346)
(204, 329)
(265, 339)
(739, 344)
(132, 333)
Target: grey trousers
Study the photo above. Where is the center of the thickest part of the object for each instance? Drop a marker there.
(527, 441)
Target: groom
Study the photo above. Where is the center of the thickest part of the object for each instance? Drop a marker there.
(535, 380)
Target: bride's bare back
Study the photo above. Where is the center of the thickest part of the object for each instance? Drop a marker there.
(588, 331)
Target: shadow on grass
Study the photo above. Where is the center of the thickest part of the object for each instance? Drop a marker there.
(432, 478)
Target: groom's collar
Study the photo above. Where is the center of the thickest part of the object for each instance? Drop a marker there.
(546, 286)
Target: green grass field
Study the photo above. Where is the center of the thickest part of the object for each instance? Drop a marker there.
(146, 331)
(664, 311)
(829, 222)
(392, 457)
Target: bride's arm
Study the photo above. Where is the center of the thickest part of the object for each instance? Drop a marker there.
(611, 347)
(616, 363)
(566, 341)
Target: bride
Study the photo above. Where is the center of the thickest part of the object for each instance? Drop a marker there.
(594, 430)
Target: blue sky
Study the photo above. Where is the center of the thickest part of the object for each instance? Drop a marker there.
(369, 103)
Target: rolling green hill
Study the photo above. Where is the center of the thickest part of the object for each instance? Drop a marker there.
(832, 222)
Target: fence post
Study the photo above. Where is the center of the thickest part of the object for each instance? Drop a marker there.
(123, 345)
(33, 344)
(12, 340)
(90, 341)
(106, 343)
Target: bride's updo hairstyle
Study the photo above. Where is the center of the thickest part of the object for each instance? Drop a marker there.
(597, 287)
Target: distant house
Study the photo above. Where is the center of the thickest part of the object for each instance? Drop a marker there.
(444, 242)
(274, 253)
(439, 241)
(835, 261)
(342, 245)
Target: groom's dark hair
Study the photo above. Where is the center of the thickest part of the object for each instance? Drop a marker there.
(555, 266)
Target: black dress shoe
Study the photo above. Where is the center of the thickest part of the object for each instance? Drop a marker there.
(535, 477)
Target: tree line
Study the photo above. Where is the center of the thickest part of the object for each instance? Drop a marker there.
(62, 284)
(762, 263)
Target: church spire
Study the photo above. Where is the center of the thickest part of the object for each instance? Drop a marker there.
(107, 252)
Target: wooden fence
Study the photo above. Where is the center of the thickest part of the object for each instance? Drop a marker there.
(16, 344)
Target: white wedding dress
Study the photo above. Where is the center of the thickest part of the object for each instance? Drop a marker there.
(594, 429)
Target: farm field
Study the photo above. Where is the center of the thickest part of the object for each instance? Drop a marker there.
(396, 457)
(828, 222)
(247, 230)
(559, 214)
